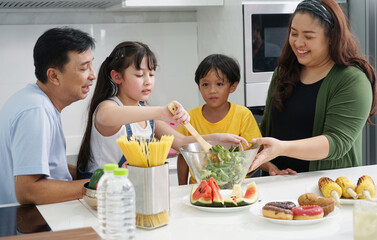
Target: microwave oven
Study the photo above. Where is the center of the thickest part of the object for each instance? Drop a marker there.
(265, 30)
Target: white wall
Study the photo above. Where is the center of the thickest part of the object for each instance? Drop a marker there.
(220, 30)
(174, 43)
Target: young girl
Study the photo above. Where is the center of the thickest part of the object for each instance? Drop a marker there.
(125, 81)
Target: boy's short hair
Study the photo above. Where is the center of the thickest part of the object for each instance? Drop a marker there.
(228, 66)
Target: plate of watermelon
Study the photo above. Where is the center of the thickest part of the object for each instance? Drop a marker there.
(208, 197)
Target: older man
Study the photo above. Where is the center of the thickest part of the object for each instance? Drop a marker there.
(34, 166)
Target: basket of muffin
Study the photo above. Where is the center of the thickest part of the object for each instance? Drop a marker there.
(310, 207)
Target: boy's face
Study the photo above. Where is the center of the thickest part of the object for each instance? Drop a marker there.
(215, 89)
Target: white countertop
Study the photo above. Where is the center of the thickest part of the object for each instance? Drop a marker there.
(187, 222)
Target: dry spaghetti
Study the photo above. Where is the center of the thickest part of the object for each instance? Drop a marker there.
(143, 152)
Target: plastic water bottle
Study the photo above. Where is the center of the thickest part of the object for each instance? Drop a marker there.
(101, 195)
(120, 207)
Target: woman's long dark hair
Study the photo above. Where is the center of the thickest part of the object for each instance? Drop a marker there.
(343, 51)
(123, 56)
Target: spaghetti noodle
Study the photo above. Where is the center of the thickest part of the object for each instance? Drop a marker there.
(143, 152)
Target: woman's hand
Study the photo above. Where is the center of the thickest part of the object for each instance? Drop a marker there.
(272, 148)
(273, 170)
(227, 138)
(180, 115)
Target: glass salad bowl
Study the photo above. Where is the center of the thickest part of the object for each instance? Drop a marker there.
(227, 165)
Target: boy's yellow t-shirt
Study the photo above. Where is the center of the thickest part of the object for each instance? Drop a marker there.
(239, 121)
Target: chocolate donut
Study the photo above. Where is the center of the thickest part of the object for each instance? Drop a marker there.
(271, 211)
(307, 212)
(286, 205)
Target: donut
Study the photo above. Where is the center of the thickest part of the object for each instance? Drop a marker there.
(271, 211)
(307, 212)
(327, 204)
(286, 205)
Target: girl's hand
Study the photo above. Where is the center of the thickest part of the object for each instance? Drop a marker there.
(180, 116)
(228, 138)
(271, 149)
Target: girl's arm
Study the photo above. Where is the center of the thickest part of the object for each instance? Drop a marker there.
(162, 128)
(110, 116)
(310, 149)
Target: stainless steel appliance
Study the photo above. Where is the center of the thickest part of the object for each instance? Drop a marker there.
(265, 31)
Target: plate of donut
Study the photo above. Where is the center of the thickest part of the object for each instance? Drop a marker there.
(257, 211)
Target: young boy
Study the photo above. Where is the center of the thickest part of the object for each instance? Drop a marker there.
(217, 76)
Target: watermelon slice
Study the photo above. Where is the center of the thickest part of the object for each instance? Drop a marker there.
(230, 202)
(236, 199)
(212, 180)
(217, 199)
(201, 195)
(251, 194)
(208, 194)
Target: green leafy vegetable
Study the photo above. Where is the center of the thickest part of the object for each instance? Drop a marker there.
(224, 165)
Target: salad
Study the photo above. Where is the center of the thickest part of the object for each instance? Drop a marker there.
(225, 166)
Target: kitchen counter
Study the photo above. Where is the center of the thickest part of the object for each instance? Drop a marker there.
(187, 222)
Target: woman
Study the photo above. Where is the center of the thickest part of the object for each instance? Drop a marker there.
(321, 95)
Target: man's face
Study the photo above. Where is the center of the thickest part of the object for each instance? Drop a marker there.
(76, 77)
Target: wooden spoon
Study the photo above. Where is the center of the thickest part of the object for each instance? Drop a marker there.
(203, 143)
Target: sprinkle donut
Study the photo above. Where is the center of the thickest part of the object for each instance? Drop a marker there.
(307, 212)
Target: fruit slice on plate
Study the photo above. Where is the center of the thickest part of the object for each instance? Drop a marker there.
(208, 194)
(201, 195)
(236, 199)
(251, 194)
(217, 199)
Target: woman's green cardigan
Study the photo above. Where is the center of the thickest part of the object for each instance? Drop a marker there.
(343, 104)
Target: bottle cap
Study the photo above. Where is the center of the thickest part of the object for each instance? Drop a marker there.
(110, 167)
(121, 172)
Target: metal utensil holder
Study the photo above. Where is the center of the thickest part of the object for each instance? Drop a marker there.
(152, 188)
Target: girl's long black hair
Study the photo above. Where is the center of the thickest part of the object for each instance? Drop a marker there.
(123, 56)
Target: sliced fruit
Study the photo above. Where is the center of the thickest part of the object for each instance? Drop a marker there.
(217, 199)
(237, 191)
(251, 193)
(192, 194)
(241, 202)
(202, 195)
(212, 180)
(230, 202)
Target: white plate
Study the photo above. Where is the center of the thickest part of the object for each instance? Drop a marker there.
(224, 194)
(345, 201)
(256, 210)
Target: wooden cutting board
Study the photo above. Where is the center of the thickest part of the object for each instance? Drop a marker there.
(74, 234)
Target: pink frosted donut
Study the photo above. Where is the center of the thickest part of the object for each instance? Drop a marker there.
(307, 212)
